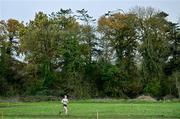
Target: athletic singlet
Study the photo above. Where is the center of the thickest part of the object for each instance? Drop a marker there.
(65, 102)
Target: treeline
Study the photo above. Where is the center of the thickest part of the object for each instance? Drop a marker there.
(124, 55)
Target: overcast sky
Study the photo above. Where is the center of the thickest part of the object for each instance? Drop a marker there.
(24, 10)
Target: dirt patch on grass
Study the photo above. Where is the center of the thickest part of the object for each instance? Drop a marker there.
(146, 98)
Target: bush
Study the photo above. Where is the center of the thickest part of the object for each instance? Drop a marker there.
(168, 97)
(153, 88)
(47, 92)
(38, 98)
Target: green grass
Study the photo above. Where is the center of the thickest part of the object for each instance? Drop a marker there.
(88, 110)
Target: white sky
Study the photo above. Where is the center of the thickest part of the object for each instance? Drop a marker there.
(24, 10)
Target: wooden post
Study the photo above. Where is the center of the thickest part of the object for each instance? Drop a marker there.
(52, 107)
(2, 115)
(97, 115)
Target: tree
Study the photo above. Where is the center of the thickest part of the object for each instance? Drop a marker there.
(121, 30)
(9, 31)
(87, 35)
(176, 78)
(154, 47)
(172, 67)
(52, 48)
(37, 44)
(174, 46)
(3, 61)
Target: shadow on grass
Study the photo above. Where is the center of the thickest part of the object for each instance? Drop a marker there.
(48, 116)
(10, 106)
(93, 116)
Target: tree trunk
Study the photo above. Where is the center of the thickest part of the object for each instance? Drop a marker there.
(179, 92)
(178, 86)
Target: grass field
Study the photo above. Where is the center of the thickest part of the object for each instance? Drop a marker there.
(88, 110)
